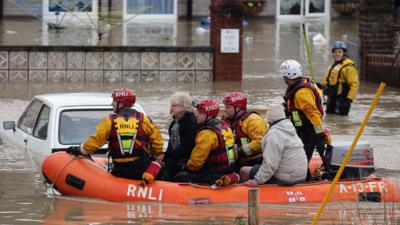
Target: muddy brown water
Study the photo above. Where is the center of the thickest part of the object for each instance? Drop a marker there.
(23, 198)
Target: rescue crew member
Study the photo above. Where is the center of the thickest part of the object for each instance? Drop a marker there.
(213, 155)
(182, 132)
(303, 106)
(340, 83)
(132, 139)
(284, 161)
(248, 128)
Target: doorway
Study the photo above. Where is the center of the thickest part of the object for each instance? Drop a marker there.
(303, 9)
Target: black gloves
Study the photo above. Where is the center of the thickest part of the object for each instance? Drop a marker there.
(74, 150)
(345, 106)
(320, 142)
(184, 167)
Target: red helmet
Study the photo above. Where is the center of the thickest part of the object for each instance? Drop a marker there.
(125, 96)
(208, 106)
(237, 99)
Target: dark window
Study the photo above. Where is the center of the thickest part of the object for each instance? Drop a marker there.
(28, 117)
(76, 126)
(150, 6)
(42, 123)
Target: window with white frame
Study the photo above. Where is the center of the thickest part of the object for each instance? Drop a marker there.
(150, 9)
(69, 11)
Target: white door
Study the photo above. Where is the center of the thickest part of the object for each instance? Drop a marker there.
(290, 9)
(302, 9)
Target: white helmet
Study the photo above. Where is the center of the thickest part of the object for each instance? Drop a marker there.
(291, 69)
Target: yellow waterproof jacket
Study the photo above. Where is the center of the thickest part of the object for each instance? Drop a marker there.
(103, 129)
(254, 127)
(304, 100)
(348, 76)
(206, 141)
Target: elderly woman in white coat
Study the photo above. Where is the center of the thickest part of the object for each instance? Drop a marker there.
(284, 160)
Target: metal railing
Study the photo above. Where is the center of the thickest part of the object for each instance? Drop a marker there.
(353, 50)
(383, 68)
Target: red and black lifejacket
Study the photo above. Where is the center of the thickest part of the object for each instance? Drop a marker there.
(241, 137)
(291, 110)
(139, 141)
(222, 159)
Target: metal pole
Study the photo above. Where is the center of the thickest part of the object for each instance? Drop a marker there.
(99, 6)
(308, 52)
(189, 10)
(347, 157)
(1, 8)
(253, 206)
(109, 8)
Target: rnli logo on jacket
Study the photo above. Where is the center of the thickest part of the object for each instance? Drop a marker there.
(126, 126)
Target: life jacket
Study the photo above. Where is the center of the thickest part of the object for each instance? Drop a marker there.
(298, 117)
(241, 139)
(221, 159)
(127, 138)
(334, 87)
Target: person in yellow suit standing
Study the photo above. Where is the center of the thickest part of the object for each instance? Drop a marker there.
(132, 139)
(303, 106)
(340, 84)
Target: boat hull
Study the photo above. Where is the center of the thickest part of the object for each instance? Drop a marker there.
(85, 178)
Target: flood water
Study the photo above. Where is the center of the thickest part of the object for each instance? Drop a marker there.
(23, 198)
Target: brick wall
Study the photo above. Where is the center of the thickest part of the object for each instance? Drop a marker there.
(228, 66)
(376, 29)
(105, 64)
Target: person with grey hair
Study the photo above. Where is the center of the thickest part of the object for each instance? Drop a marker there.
(182, 132)
(284, 160)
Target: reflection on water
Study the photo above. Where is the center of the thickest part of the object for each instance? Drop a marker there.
(266, 45)
(61, 210)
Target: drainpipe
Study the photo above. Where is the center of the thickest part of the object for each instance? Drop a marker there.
(109, 7)
(189, 10)
(1, 8)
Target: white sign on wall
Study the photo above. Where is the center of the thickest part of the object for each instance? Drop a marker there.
(229, 40)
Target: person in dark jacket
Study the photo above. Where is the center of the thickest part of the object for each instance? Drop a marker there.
(182, 132)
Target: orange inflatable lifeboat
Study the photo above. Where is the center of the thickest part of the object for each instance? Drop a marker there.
(79, 176)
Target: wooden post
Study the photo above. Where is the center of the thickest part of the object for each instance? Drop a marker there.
(253, 206)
